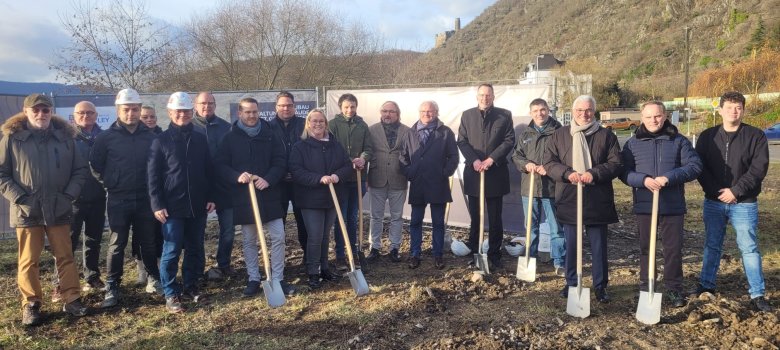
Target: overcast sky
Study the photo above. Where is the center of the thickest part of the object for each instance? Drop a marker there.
(31, 30)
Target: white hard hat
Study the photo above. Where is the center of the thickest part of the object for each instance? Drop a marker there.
(127, 96)
(459, 248)
(179, 100)
(448, 240)
(514, 248)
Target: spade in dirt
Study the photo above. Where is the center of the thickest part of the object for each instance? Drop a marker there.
(356, 277)
(272, 289)
(526, 265)
(648, 311)
(480, 258)
(578, 302)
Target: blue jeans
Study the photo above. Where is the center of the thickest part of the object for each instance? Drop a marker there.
(415, 229)
(557, 240)
(178, 233)
(597, 235)
(227, 233)
(349, 210)
(744, 219)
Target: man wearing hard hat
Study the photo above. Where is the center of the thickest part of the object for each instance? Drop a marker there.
(181, 186)
(118, 161)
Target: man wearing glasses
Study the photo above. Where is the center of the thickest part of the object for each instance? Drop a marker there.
(289, 129)
(586, 153)
(41, 174)
(215, 128)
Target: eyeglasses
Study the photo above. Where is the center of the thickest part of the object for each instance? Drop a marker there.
(584, 110)
(389, 111)
(45, 110)
(89, 113)
(285, 106)
(316, 121)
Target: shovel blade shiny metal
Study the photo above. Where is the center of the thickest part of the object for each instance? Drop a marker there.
(648, 311)
(578, 302)
(358, 282)
(482, 263)
(526, 269)
(274, 294)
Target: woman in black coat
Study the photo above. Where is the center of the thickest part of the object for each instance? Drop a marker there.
(428, 158)
(315, 162)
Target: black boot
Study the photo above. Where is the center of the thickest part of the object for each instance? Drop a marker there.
(314, 281)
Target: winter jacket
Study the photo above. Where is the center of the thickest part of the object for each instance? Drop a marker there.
(310, 160)
(289, 134)
(385, 167)
(157, 130)
(354, 137)
(40, 173)
(215, 129)
(598, 197)
(262, 155)
(428, 167)
(118, 160)
(92, 190)
(739, 161)
(479, 138)
(530, 148)
(181, 173)
(667, 154)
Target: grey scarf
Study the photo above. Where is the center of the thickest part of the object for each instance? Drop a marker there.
(581, 160)
(252, 131)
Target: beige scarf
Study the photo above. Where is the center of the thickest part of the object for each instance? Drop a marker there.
(581, 160)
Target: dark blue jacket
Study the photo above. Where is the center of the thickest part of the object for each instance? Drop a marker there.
(215, 129)
(262, 155)
(118, 160)
(429, 167)
(92, 190)
(312, 159)
(181, 173)
(667, 154)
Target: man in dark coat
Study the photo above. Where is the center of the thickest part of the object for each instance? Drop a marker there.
(181, 185)
(118, 160)
(215, 128)
(41, 173)
(528, 157)
(658, 158)
(486, 137)
(252, 152)
(586, 153)
(89, 209)
(428, 158)
(289, 129)
(736, 160)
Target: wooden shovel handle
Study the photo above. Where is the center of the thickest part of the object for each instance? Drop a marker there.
(342, 225)
(360, 210)
(528, 216)
(579, 228)
(260, 235)
(481, 211)
(653, 233)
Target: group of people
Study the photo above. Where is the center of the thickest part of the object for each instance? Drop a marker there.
(162, 184)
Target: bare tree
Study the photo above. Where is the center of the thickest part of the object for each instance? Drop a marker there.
(114, 45)
(220, 38)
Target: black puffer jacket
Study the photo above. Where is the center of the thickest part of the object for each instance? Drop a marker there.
(312, 159)
(262, 155)
(118, 160)
(598, 202)
(181, 173)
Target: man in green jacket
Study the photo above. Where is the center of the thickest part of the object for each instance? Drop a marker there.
(351, 131)
(41, 174)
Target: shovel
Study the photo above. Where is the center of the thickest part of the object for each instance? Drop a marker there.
(480, 257)
(447, 233)
(526, 265)
(578, 303)
(361, 256)
(648, 311)
(271, 289)
(356, 278)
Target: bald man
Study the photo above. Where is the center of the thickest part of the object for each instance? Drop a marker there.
(90, 207)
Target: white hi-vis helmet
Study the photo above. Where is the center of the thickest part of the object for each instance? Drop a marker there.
(127, 97)
(179, 100)
(459, 248)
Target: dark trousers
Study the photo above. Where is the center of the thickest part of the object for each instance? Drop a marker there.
(91, 216)
(597, 234)
(287, 197)
(124, 215)
(319, 221)
(437, 232)
(494, 206)
(227, 234)
(670, 231)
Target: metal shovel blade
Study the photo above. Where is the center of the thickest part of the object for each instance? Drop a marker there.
(273, 293)
(482, 263)
(526, 269)
(358, 282)
(648, 311)
(578, 303)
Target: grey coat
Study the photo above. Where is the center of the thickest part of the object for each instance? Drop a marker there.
(531, 145)
(385, 168)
